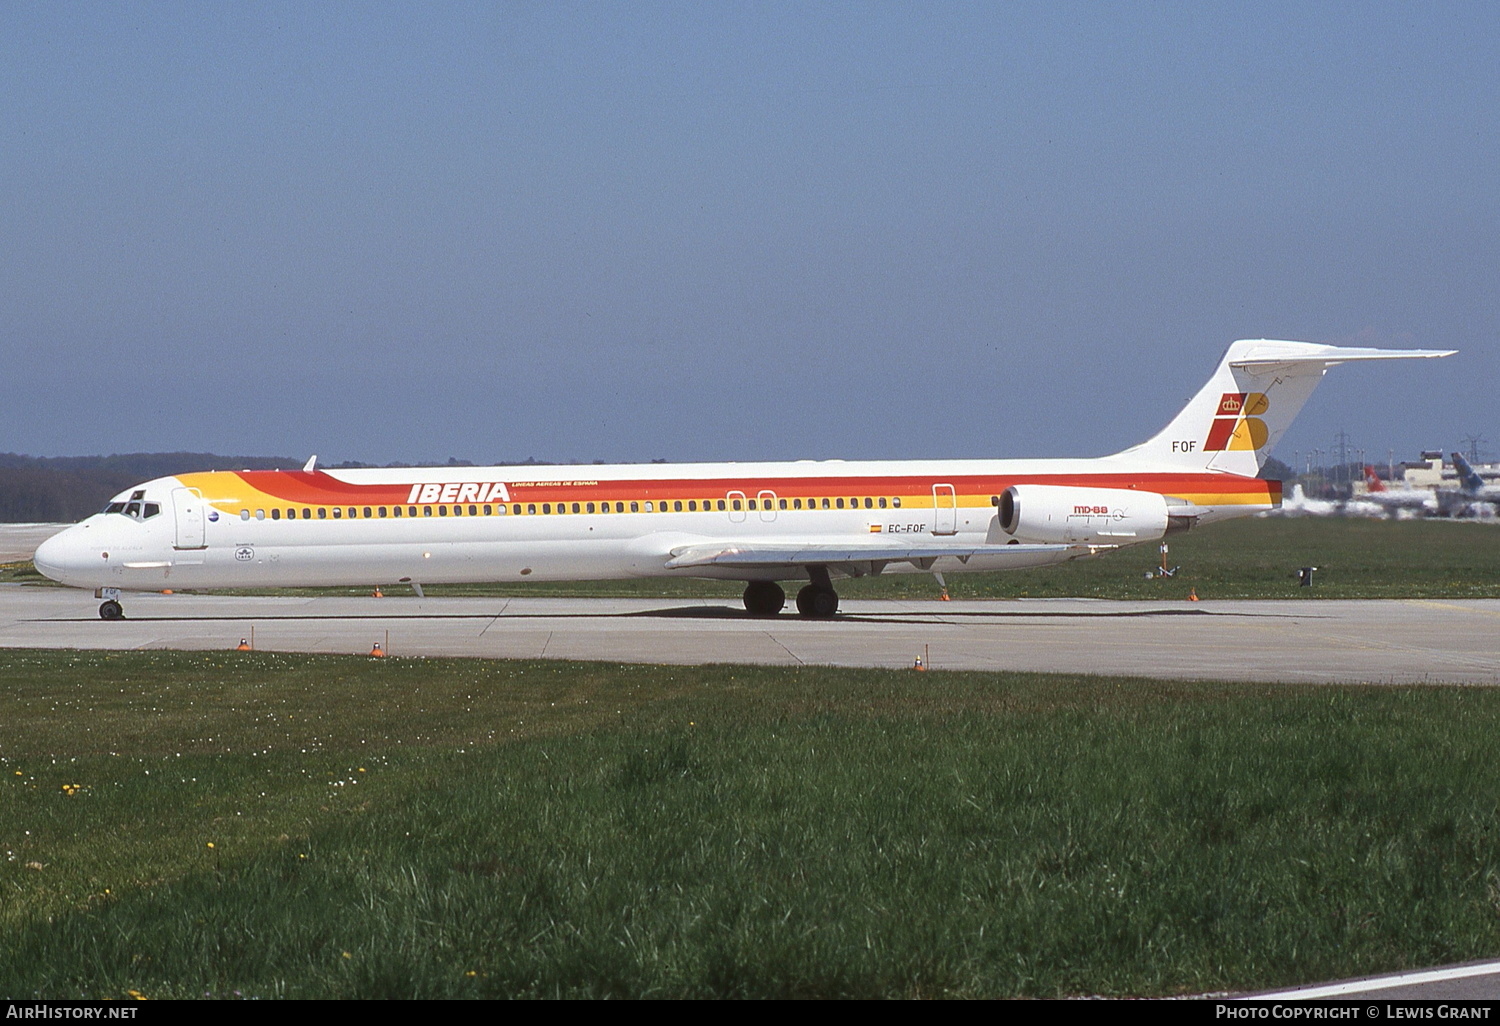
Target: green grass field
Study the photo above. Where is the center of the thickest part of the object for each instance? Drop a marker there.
(258, 825)
(1254, 558)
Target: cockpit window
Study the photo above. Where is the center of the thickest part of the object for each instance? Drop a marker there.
(135, 508)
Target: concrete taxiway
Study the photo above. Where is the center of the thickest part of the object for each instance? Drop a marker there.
(1294, 641)
(19, 541)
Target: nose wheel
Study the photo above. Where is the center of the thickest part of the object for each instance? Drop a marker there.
(111, 610)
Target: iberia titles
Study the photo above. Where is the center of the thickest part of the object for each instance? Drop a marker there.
(460, 491)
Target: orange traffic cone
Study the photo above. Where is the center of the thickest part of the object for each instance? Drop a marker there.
(377, 652)
(243, 646)
(166, 591)
(919, 665)
(376, 594)
(944, 596)
(1192, 594)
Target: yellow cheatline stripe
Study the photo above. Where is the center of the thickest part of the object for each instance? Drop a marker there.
(1230, 499)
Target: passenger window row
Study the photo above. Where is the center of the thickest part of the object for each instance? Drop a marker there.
(554, 508)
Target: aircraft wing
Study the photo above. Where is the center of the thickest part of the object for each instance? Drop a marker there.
(858, 560)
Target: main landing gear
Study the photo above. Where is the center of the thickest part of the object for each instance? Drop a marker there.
(764, 598)
(817, 600)
(110, 608)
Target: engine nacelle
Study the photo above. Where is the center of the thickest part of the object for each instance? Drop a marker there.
(1044, 514)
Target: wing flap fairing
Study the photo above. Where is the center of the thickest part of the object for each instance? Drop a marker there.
(862, 560)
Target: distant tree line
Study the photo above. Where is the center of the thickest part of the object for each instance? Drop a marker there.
(58, 489)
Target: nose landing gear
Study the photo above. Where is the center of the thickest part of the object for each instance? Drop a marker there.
(110, 608)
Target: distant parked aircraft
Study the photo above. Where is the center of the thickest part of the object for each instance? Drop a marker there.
(1472, 490)
(1394, 500)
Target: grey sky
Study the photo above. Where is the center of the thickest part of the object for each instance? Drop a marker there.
(735, 231)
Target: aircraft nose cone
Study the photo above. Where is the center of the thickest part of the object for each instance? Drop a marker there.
(61, 557)
(47, 556)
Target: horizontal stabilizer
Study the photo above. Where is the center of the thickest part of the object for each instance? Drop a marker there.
(1266, 354)
(1235, 420)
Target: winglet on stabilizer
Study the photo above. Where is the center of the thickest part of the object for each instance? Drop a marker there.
(1260, 385)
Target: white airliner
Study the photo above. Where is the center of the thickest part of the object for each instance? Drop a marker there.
(760, 523)
(1393, 501)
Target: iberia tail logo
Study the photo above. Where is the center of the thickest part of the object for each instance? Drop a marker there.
(1237, 423)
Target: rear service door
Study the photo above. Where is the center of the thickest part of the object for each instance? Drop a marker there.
(944, 509)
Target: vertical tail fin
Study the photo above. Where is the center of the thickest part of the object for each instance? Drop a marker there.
(1469, 480)
(1234, 422)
